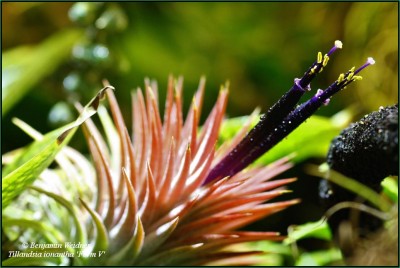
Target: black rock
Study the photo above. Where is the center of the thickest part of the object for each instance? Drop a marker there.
(366, 151)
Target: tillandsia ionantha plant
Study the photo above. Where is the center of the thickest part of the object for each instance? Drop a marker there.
(163, 195)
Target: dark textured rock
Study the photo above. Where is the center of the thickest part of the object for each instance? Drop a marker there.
(368, 150)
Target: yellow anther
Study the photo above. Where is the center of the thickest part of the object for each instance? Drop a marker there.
(313, 69)
(350, 76)
(357, 77)
(326, 59)
(319, 57)
(320, 70)
(352, 69)
(341, 78)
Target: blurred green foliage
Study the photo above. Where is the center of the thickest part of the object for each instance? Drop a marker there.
(259, 47)
(23, 67)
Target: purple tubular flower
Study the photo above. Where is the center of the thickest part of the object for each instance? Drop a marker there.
(271, 119)
(282, 118)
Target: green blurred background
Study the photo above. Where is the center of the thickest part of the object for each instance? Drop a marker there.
(259, 47)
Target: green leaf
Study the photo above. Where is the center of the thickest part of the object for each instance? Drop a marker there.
(80, 235)
(270, 247)
(319, 258)
(352, 185)
(319, 229)
(102, 241)
(275, 252)
(42, 153)
(23, 67)
(49, 233)
(391, 188)
(30, 151)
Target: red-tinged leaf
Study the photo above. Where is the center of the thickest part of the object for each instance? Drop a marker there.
(168, 110)
(131, 161)
(258, 175)
(166, 181)
(142, 140)
(104, 172)
(214, 241)
(155, 239)
(235, 204)
(211, 128)
(269, 185)
(156, 155)
(218, 224)
(215, 189)
(148, 206)
(179, 181)
(127, 255)
(211, 224)
(259, 212)
(199, 96)
(180, 211)
(122, 147)
(177, 111)
(126, 226)
(190, 127)
(197, 177)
